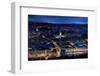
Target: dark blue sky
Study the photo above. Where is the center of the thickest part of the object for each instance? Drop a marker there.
(58, 19)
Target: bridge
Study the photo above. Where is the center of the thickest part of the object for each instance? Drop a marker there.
(76, 51)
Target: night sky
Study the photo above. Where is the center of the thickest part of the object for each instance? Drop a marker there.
(58, 19)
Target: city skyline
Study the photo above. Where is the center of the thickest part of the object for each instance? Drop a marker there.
(57, 37)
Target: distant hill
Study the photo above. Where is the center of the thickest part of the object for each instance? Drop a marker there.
(42, 23)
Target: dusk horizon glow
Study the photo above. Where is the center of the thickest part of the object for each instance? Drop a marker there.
(58, 19)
